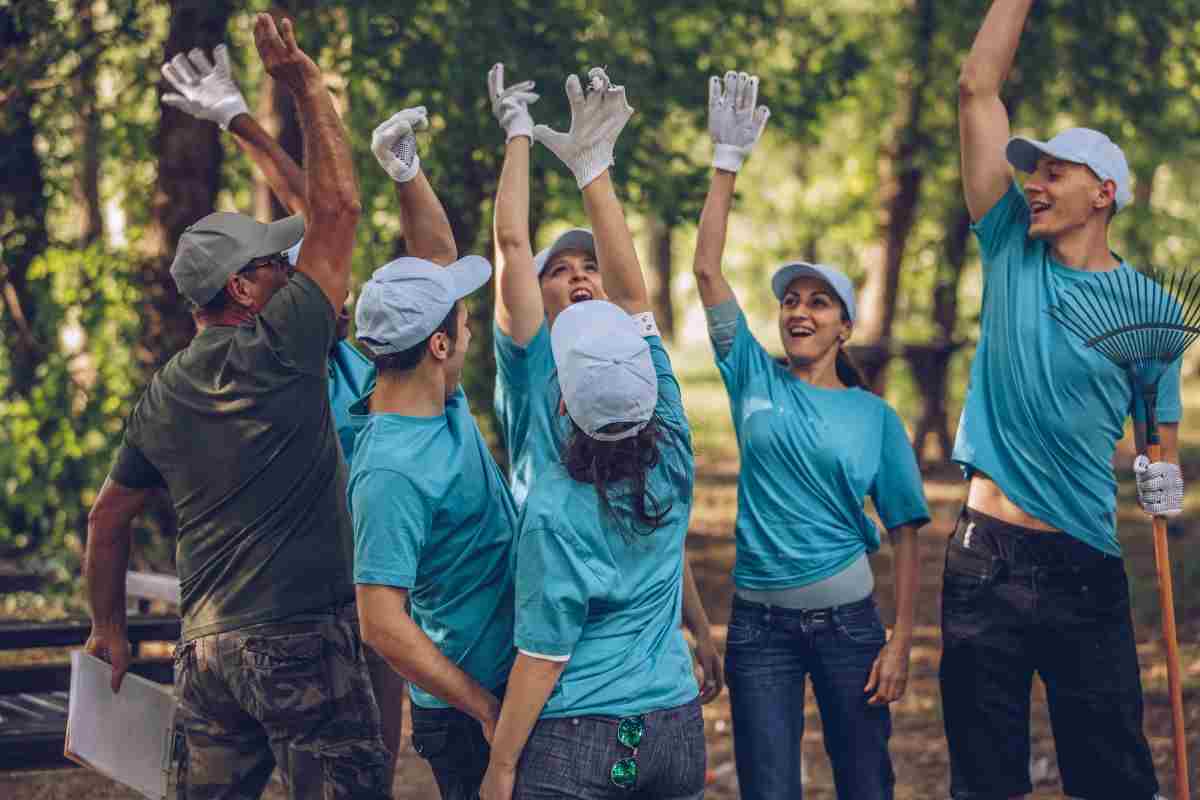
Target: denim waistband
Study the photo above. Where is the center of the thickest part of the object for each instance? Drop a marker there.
(808, 616)
(1021, 547)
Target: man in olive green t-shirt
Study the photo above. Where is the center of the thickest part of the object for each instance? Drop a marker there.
(237, 427)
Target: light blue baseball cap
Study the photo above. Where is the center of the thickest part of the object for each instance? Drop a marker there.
(837, 280)
(573, 239)
(406, 300)
(1079, 146)
(604, 369)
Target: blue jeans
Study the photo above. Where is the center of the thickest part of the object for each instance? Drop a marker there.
(453, 744)
(769, 653)
(573, 757)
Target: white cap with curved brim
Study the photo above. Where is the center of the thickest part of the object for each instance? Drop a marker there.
(1079, 146)
(406, 300)
(220, 244)
(574, 239)
(837, 280)
(604, 369)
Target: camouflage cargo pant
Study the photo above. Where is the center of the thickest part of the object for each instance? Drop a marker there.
(294, 693)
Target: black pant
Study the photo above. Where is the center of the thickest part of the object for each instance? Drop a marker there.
(1016, 601)
(453, 744)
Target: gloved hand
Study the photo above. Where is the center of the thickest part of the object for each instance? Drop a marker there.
(733, 121)
(395, 145)
(596, 121)
(205, 91)
(1159, 486)
(511, 105)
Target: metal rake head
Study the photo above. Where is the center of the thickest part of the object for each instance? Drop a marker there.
(1141, 321)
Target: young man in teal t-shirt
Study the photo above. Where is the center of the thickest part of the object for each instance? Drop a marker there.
(1034, 579)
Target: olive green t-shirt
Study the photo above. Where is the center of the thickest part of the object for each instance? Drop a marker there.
(238, 428)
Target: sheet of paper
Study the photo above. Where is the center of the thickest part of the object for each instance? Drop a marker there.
(153, 586)
(126, 736)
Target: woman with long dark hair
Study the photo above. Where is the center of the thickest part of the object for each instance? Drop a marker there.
(814, 443)
(601, 701)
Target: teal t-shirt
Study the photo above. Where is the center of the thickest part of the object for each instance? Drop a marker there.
(527, 396)
(1043, 413)
(810, 456)
(611, 602)
(350, 372)
(433, 514)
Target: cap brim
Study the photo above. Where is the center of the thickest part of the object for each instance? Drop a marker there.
(280, 236)
(788, 273)
(574, 239)
(469, 273)
(1023, 153)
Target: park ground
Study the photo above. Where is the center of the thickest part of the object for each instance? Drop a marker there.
(918, 745)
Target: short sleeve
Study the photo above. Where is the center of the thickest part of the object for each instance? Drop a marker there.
(300, 325)
(554, 586)
(518, 366)
(1004, 223)
(898, 492)
(744, 359)
(132, 469)
(392, 520)
(670, 398)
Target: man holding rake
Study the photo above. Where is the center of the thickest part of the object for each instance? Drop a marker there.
(1034, 578)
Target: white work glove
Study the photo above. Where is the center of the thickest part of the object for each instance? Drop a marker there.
(205, 91)
(1159, 486)
(596, 121)
(734, 122)
(511, 105)
(395, 144)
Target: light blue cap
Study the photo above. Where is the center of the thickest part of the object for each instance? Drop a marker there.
(293, 252)
(406, 300)
(604, 369)
(837, 280)
(1079, 146)
(573, 239)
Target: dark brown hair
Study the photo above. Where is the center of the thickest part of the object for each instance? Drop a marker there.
(626, 461)
(408, 359)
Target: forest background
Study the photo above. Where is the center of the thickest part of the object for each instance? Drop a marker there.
(858, 168)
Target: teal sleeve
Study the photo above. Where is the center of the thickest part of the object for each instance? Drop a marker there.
(392, 520)
(554, 586)
(670, 398)
(1004, 223)
(745, 358)
(722, 325)
(518, 366)
(898, 492)
(300, 324)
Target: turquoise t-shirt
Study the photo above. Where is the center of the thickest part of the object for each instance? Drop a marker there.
(432, 514)
(1043, 413)
(527, 396)
(810, 456)
(611, 602)
(349, 374)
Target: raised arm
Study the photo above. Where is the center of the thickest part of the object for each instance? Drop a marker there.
(427, 230)
(735, 124)
(519, 309)
(587, 149)
(982, 118)
(331, 188)
(206, 90)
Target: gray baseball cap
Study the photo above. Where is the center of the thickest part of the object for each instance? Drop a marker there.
(574, 239)
(217, 246)
(837, 280)
(407, 299)
(1079, 146)
(604, 369)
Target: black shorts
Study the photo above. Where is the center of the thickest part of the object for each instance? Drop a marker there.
(1016, 601)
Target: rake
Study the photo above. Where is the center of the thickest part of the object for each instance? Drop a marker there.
(1143, 322)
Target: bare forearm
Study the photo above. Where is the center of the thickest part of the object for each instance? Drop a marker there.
(105, 564)
(331, 187)
(529, 686)
(991, 57)
(710, 240)
(427, 230)
(906, 565)
(694, 615)
(510, 223)
(619, 265)
(283, 174)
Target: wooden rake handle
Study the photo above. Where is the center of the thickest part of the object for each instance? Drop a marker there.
(1166, 599)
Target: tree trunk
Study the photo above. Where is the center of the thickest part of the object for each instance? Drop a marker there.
(660, 277)
(902, 178)
(189, 171)
(23, 234)
(87, 134)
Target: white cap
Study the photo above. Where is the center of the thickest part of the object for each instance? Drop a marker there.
(1079, 146)
(604, 369)
(574, 239)
(406, 300)
(837, 280)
